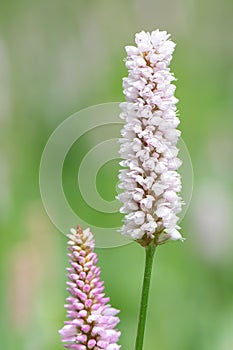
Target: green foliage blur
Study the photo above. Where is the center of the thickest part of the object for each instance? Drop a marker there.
(57, 57)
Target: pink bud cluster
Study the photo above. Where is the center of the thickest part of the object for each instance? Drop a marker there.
(92, 320)
(150, 181)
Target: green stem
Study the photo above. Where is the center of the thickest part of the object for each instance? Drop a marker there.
(150, 250)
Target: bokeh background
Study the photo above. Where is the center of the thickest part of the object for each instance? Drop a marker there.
(57, 57)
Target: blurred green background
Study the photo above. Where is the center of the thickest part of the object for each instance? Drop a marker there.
(57, 57)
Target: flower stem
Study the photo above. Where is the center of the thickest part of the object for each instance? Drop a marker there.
(150, 250)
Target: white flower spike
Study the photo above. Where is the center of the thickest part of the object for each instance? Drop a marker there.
(149, 181)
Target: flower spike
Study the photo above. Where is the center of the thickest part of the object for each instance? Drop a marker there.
(149, 181)
(92, 320)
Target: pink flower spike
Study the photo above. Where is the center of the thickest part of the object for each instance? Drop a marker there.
(150, 184)
(92, 320)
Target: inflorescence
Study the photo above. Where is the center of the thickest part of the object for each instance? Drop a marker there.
(149, 180)
(92, 320)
